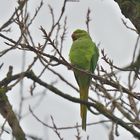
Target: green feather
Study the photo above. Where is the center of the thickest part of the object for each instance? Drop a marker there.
(83, 55)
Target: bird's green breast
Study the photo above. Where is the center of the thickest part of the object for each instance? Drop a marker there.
(81, 53)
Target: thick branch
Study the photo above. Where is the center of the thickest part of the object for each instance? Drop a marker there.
(131, 9)
(98, 106)
(7, 112)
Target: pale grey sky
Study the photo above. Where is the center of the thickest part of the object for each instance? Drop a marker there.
(106, 28)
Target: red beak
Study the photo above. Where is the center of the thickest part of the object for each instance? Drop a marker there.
(73, 37)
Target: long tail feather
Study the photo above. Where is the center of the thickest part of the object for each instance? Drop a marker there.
(83, 108)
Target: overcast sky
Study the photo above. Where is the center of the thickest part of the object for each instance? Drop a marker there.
(106, 28)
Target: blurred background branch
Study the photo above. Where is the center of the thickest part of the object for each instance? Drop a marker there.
(110, 97)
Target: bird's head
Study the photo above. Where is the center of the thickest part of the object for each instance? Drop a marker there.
(78, 34)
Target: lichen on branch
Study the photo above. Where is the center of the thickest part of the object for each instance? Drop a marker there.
(131, 9)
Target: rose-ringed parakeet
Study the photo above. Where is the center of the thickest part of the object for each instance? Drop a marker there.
(83, 55)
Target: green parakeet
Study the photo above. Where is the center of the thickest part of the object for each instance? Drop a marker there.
(83, 55)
